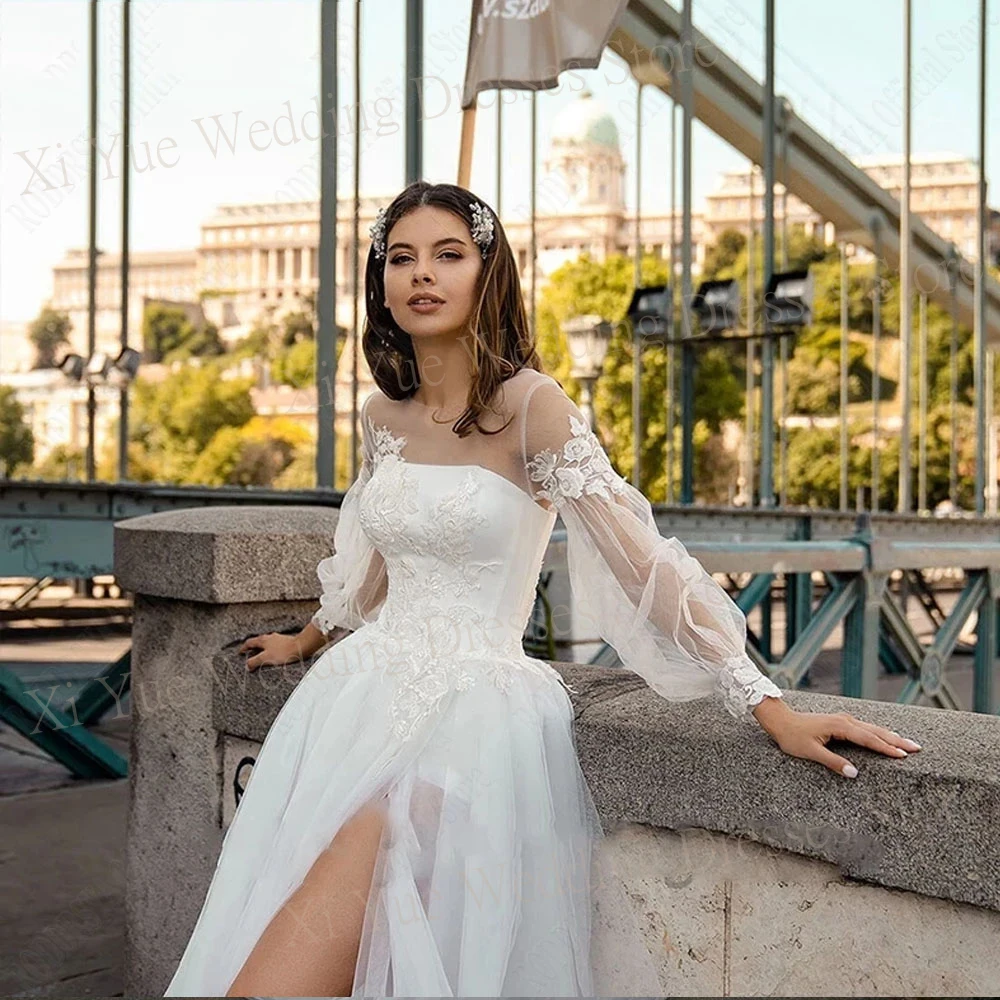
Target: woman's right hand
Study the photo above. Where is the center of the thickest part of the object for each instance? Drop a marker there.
(276, 649)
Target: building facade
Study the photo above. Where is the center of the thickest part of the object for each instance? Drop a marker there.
(261, 259)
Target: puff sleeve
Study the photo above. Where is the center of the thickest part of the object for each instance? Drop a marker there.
(665, 615)
(354, 578)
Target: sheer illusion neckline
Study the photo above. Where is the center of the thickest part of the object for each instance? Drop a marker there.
(400, 440)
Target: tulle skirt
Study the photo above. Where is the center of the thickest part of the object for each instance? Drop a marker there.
(491, 877)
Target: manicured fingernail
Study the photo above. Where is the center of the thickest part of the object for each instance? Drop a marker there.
(850, 771)
(901, 751)
(913, 743)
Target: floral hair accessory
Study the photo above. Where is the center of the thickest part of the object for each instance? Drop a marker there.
(482, 226)
(482, 229)
(377, 232)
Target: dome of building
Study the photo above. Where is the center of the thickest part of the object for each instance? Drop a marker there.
(585, 121)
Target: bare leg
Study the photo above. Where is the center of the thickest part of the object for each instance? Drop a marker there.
(310, 947)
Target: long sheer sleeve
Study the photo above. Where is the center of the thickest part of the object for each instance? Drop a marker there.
(354, 578)
(664, 614)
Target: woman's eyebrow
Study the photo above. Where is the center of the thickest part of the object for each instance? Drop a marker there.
(447, 239)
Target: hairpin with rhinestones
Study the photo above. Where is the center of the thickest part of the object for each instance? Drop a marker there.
(482, 226)
(377, 232)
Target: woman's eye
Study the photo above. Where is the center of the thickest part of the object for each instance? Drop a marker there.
(397, 260)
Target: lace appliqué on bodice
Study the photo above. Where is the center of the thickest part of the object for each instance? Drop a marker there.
(424, 632)
(580, 467)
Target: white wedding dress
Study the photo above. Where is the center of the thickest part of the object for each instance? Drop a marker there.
(490, 872)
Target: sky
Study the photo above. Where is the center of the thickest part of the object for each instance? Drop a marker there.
(205, 70)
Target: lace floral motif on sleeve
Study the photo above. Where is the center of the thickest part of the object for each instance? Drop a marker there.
(743, 686)
(580, 467)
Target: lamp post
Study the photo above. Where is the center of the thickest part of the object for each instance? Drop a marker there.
(96, 370)
(588, 338)
(788, 297)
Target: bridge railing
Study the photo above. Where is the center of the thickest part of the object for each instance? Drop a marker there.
(708, 811)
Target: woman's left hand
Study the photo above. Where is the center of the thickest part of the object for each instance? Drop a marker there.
(805, 734)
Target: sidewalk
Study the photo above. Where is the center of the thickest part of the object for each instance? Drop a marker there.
(62, 885)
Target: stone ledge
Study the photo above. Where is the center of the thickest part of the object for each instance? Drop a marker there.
(225, 555)
(925, 823)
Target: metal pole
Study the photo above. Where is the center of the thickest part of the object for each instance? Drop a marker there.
(783, 429)
(126, 177)
(751, 353)
(637, 279)
(876, 377)
(356, 245)
(844, 319)
(687, 353)
(671, 347)
(991, 439)
(499, 141)
(534, 205)
(953, 381)
(979, 326)
(414, 89)
(905, 298)
(326, 319)
(92, 242)
(924, 393)
(767, 345)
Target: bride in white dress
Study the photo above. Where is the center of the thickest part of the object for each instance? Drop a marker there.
(417, 822)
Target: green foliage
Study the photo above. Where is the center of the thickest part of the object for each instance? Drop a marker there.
(586, 286)
(48, 332)
(168, 335)
(296, 365)
(61, 464)
(814, 464)
(236, 457)
(724, 255)
(172, 422)
(17, 443)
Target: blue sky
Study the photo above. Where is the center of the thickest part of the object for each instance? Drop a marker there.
(199, 65)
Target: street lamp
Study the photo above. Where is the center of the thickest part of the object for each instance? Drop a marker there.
(788, 299)
(100, 368)
(588, 338)
(717, 305)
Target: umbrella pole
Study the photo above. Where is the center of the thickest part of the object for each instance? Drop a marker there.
(465, 149)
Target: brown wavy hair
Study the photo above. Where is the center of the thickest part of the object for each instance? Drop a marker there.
(503, 343)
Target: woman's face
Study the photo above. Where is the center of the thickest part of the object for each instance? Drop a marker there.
(430, 255)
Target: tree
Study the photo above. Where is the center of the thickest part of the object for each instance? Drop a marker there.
(47, 333)
(300, 325)
(17, 442)
(252, 455)
(724, 254)
(585, 286)
(296, 365)
(62, 463)
(168, 335)
(172, 422)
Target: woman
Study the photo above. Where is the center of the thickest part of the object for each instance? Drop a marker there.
(417, 823)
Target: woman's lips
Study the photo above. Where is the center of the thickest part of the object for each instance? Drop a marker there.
(425, 307)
